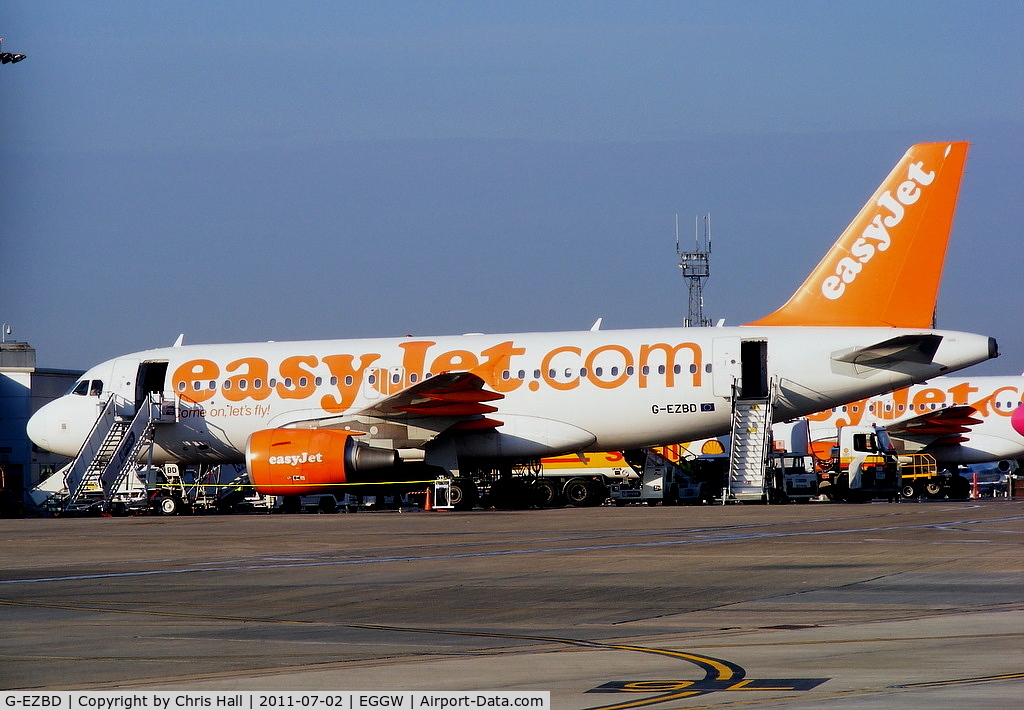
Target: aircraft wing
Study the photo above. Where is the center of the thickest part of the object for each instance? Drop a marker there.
(947, 424)
(451, 394)
(451, 401)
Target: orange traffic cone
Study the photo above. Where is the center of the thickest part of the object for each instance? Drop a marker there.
(428, 504)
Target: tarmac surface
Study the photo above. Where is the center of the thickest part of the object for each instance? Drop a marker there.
(909, 605)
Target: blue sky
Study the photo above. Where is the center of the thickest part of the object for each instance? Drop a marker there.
(254, 171)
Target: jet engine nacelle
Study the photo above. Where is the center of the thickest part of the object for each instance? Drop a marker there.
(294, 462)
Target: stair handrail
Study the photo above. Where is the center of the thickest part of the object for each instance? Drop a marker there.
(125, 457)
(90, 446)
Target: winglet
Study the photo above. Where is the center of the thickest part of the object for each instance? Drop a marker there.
(886, 267)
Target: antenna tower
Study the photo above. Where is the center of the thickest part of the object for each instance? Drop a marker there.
(696, 269)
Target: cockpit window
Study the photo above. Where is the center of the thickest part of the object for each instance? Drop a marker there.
(90, 388)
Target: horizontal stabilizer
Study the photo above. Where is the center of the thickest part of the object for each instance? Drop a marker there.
(919, 349)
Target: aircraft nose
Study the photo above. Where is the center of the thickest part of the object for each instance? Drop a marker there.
(38, 427)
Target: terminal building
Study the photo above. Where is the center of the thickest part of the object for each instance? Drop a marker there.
(24, 388)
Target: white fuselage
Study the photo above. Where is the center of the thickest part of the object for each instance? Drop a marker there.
(989, 436)
(561, 392)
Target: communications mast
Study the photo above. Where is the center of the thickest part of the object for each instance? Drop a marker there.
(696, 268)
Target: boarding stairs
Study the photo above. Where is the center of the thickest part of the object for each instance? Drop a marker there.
(102, 472)
(750, 447)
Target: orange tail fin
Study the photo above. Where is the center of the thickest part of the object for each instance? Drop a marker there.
(885, 268)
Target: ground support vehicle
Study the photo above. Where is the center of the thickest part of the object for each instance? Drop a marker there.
(790, 478)
(658, 480)
(547, 483)
(920, 477)
(781, 473)
(870, 449)
(864, 466)
(579, 481)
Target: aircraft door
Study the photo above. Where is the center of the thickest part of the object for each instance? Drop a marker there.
(754, 369)
(150, 380)
(725, 357)
(122, 383)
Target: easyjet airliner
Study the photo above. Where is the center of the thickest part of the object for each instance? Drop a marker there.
(957, 420)
(305, 416)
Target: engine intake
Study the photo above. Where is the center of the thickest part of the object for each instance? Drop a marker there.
(291, 462)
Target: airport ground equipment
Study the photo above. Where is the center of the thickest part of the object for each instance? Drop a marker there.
(787, 474)
(917, 474)
(790, 478)
(748, 458)
(579, 481)
(920, 477)
(658, 480)
(104, 475)
(113, 472)
(863, 466)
